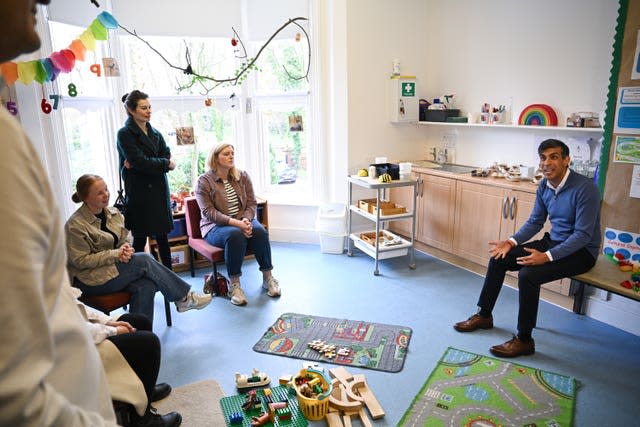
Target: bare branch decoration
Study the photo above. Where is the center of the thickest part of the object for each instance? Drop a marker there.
(241, 73)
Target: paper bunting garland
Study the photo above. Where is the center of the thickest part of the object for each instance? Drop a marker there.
(63, 61)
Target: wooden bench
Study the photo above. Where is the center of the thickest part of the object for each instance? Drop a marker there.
(604, 275)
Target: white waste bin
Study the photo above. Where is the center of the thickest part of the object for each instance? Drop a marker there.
(331, 225)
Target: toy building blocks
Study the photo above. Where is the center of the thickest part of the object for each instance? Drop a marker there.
(285, 379)
(257, 379)
(235, 418)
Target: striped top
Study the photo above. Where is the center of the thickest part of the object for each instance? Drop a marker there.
(232, 199)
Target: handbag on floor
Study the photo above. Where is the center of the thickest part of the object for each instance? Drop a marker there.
(218, 287)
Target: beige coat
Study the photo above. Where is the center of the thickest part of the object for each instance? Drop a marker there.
(50, 372)
(92, 257)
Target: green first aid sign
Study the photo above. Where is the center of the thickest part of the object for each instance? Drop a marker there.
(408, 89)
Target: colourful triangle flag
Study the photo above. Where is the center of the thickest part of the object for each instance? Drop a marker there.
(9, 72)
(27, 71)
(63, 60)
(99, 31)
(51, 70)
(108, 20)
(41, 72)
(78, 49)
(88, 40)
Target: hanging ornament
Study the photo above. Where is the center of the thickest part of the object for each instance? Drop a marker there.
(208, 102)
(298, 37)
(234, 42)
(96, 69)
(12, 108)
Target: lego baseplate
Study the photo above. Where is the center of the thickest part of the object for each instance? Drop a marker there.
(233, 405)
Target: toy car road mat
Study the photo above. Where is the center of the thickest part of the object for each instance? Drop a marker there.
(340, 341)
(470, 389)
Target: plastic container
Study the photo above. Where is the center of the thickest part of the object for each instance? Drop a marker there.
(331, 225)
(332, 243)
(315, 409)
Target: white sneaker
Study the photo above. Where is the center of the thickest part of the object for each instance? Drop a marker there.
(272, 286)
(193, 300)
(237, 294)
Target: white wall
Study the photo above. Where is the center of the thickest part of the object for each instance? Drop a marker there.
(512, 53)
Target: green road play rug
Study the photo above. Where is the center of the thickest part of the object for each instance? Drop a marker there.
(340, 341)
(467, 389)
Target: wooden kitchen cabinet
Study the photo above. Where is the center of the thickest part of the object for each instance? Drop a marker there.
(435, 207)
(478, 220)
(484, 214)
(520, 206)
(461, 216)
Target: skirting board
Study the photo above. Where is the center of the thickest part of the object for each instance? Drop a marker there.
(618, 312)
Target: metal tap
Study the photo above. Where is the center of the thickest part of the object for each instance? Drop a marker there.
(433, 153)
(442, 156)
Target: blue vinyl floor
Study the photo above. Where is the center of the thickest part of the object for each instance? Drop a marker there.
(216, 342)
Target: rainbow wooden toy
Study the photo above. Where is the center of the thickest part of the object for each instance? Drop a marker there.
(538, 115)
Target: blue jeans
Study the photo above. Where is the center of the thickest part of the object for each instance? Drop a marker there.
(235, 246)
(142, 276)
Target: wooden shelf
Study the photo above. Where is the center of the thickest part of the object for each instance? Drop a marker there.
(516, 127)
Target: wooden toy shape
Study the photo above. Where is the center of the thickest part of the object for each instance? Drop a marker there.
(334, 420)
(370, 400)
(356, 389)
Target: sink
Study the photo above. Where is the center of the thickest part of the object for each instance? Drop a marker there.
(444, 167)
(454, 168)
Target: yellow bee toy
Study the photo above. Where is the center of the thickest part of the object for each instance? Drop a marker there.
(385, 177)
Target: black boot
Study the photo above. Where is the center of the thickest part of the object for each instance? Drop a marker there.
(152, 419)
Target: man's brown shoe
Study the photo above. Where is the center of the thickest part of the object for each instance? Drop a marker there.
(474, 322)
(514, 348)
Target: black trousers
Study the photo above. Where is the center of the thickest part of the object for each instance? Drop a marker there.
(141, 349)
(530, 278)
(164, 251)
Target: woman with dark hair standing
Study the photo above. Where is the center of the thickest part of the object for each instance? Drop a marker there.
(145, 160)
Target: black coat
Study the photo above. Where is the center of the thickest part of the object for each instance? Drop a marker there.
(145, 184)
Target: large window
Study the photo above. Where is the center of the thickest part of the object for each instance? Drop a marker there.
(86, 111)
(266, 118)
(282, 101)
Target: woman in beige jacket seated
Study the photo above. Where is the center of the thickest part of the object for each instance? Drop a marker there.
(101, 260)
(130, 354)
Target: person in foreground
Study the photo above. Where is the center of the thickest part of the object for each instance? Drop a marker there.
(572, 203)
(131, 363)
(50, 371)
(145, 160)
(102, 261)
(228, 220)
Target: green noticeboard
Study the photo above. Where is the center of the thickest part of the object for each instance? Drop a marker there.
(409, 89)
